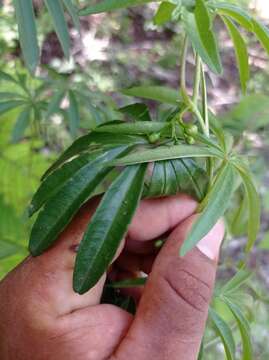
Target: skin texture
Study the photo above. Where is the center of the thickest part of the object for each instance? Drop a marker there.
(41, 318)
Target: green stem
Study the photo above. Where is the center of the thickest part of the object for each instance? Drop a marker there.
(183, 69)
(205, 101)
(210, 161)
(197, 79)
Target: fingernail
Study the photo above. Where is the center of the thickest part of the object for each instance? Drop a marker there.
(210, 244)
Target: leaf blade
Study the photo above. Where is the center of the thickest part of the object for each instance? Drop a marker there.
(224, 333)
(61, 208)
(21, 125)
(203, 22)
(107, 227)
(216, 203)
(56, 11)
(110, 5)
(27, 32)
(156, 93)
(240, 51)
(167, 153)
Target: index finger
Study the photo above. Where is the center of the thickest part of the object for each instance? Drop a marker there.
(154, 217)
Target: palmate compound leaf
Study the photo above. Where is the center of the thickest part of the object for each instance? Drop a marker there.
(60, 208)
(244, 329)
(213, 207)
(107, 227)
(53, 182)
(240, 51)
(224, 332)
(91, 141)
(111, 5)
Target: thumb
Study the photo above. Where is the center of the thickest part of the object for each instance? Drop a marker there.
(172, 313)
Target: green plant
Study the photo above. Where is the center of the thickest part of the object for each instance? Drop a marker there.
(188, 148)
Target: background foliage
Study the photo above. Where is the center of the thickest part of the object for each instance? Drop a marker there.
(40, 116)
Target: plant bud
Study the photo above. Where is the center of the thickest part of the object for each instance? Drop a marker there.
(190, 140)
(154, 137)
(191, 129)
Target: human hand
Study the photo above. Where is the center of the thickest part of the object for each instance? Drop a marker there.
(41, 318)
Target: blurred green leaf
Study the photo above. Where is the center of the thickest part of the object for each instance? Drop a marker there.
(156, 93)
(128, 283)
(240, 51)
(254, 206)
(56, 11)
(27, 31)
(224, 332)
(55, 103)
(239, 279)
(73, 12)
(236, 13)
(9, 105)
(110, 5)
(73, 114)
(244, 329)
(137, 111)
(164, 13)
(9, 248)
(204, 26)
(262, 33)
(22, 123)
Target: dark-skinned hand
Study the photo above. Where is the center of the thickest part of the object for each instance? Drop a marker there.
(41, 318)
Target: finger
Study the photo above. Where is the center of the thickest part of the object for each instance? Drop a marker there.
(173, 310)
(155, 217)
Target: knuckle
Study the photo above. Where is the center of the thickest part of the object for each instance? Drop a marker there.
(190, 288)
